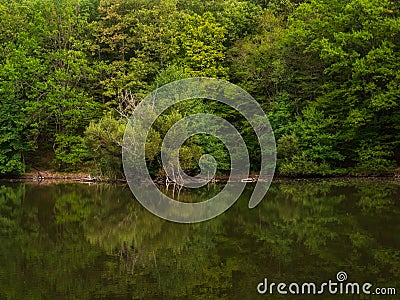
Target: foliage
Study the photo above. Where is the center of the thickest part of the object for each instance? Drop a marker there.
(103, 141)
(70, 150)
(374, 159)
(336, 63)
(326, 73)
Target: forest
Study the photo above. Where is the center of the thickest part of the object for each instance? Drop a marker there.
(326, 72)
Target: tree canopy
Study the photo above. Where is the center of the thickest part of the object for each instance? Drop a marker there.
(326, 73)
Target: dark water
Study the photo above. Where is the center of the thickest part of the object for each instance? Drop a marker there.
(75, 241)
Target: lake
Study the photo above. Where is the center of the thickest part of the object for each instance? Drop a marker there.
(80, 241)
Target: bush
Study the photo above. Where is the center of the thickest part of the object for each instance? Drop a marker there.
(300, 166)
(103, 141)
(70, 151)
(374, 160)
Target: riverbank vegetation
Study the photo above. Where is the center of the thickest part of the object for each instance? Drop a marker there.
(326, 72)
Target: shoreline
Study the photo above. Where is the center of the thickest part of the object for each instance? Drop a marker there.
(83, 177)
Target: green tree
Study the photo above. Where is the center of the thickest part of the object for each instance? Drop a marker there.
(354, 43)
(103, 142)
(18, 76)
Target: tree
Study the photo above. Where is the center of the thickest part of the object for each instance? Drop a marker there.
(18, 75)
(202, 49)
(103, 142)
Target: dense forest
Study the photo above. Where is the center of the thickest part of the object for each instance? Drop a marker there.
(327, 73)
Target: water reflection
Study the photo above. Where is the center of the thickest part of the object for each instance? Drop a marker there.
(65, 241)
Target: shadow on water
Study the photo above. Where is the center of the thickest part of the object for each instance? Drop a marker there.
(74, 241)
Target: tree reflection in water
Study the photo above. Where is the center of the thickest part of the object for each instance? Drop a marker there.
(76, 241)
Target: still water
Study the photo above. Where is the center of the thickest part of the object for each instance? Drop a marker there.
(78, 241)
